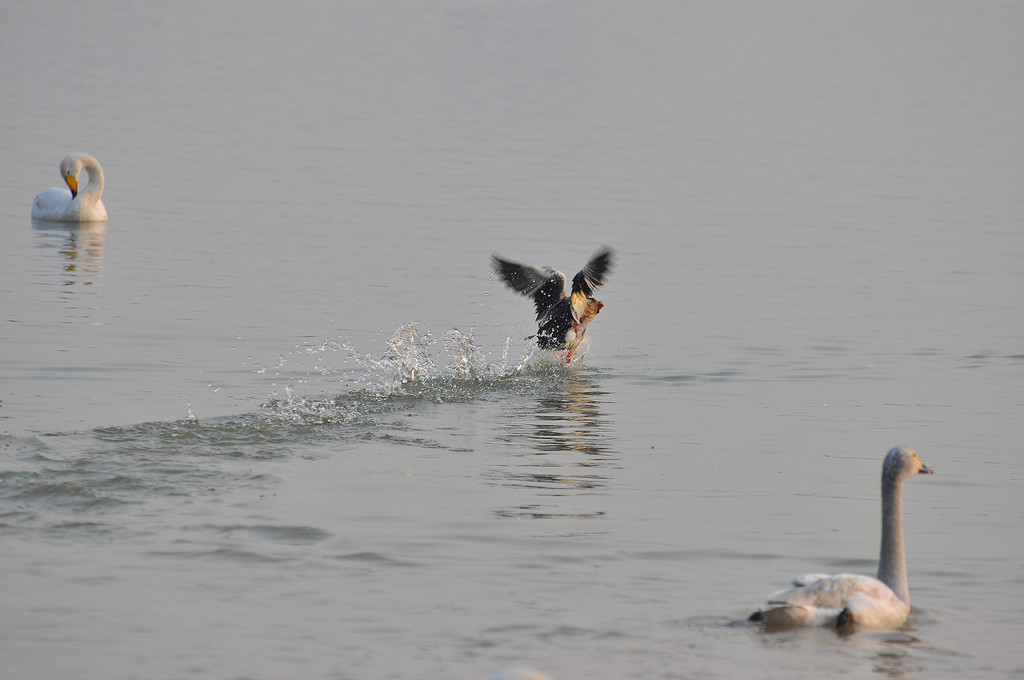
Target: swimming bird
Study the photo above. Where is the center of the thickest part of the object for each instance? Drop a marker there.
(562, 319)
(59, 205)
(847, 600)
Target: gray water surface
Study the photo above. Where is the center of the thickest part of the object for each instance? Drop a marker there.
(277, 419)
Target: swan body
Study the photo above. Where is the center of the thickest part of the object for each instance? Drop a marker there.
(562, 319)
(821, 600)
(845, 600)
(72, 205)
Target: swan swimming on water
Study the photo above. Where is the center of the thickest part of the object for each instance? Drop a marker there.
(847, 600)
(61, 205)
(561, 319)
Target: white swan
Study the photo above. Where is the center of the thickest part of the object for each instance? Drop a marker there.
(61, 205)
(845, 600)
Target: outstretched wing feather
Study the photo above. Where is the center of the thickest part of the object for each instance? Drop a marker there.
(591, 276)
(545, 285)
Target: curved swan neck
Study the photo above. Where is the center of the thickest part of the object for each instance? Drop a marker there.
(892, 560)
(95, 186)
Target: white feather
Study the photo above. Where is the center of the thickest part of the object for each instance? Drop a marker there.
(59, 205)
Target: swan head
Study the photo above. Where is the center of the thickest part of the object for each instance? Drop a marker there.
(70, 169)
(903, 463)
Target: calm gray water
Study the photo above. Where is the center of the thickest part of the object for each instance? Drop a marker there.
(276, 419)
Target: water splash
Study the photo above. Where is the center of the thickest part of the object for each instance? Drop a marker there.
(414, 357)
(416, 364)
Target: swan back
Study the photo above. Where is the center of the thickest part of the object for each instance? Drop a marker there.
(820, 600)
(74, 204)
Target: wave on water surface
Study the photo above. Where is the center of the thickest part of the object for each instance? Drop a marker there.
(369, 398)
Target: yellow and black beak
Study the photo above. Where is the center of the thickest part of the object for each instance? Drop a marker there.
(72, 184)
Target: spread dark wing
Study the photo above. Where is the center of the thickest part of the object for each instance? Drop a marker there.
(545, 285)
(591, 276)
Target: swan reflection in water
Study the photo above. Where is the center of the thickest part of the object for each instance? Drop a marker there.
(560, 442)
(81, 249)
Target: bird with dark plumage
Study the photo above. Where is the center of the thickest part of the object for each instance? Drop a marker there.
(562, 319)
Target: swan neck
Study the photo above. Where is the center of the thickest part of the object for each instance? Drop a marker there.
(94, 189)
(892, 560)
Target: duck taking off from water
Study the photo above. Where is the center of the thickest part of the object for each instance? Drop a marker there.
(562, 319)
(61, 205)
(848, 600)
